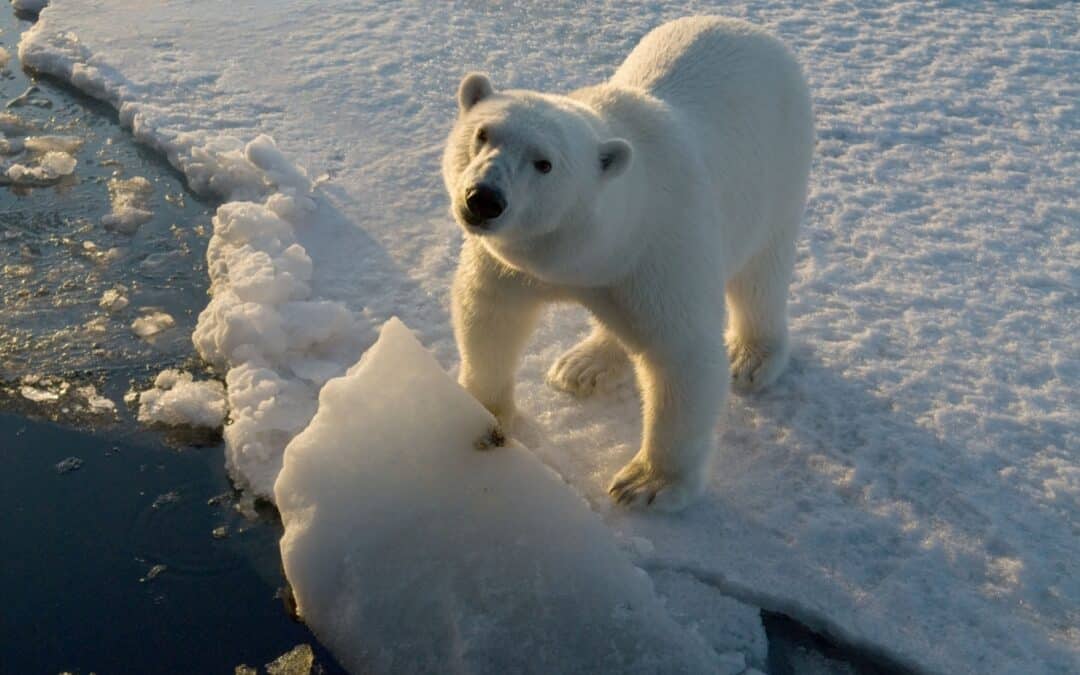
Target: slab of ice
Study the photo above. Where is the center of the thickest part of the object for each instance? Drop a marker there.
(409, 550)
(177, 399)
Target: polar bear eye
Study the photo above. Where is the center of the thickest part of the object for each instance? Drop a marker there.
(542, 165)
(481, 135)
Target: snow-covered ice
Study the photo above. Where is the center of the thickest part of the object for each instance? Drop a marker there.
(409, 550)
(178, 399)
(910, 484)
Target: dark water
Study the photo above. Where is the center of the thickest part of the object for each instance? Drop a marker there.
(78, 550)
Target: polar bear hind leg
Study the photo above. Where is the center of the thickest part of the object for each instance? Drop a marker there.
(757, 332)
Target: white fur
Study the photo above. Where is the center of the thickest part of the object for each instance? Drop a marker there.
(681, 177)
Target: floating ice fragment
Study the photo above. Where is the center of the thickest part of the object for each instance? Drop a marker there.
(151, 324)
(38, 395)
(170, 497)
(153, 573)
(44, 144)
(114, 300)
(130, 204)
(68, 465)
(297, 661)
(95, 401)
(177, 400)
(18, 270)
(220, 532)
(51, 167)
(98, 324)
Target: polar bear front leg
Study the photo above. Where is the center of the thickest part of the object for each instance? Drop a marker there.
(683, 392)
(494, 311)
(598, 362)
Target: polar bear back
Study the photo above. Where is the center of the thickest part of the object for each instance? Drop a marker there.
(700, 62)
(744, 99)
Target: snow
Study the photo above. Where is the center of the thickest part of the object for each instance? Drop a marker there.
(176, 399)
(909, 485)
(410, 550)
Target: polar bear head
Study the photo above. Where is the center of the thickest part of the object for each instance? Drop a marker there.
(525, 168)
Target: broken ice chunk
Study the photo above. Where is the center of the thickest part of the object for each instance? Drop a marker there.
(297, 661)
(407, 549)
(177, 399)
(68, 465)
(38, 395)
(152, 323)
(114, 300)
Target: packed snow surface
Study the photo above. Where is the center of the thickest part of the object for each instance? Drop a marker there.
(412, 545)
(911, 483)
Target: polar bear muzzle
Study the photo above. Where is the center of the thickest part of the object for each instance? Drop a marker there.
(483, 203)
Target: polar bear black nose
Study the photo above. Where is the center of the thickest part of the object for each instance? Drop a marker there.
(484, 202)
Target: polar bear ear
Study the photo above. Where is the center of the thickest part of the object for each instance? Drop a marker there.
(615, 157)
(474, 87)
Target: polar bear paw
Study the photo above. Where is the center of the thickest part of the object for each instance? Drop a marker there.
(640, 484)
(591, 366)
(755, 365)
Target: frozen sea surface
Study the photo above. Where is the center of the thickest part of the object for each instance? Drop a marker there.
(911, 484)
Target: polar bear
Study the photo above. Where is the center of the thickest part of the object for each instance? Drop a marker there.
(647, 199)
